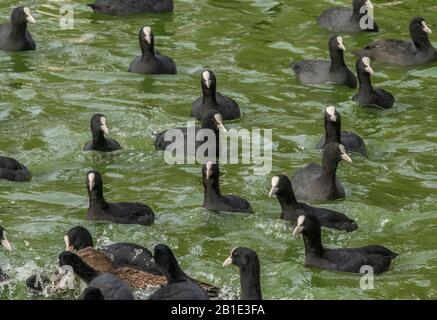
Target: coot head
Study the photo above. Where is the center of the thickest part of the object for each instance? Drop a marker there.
(332, 115)
(336, 44)
(4, 242)
(78, 238)
(94, 181)
(208, 81)
(335, 152)
(241, 257)
(147, 39)
(22, 15)
(419, 31)
(212, 119)
(363, 66)
(307, 225)
(98, 125)
(281, 187)
(210, 170)
(165, 260)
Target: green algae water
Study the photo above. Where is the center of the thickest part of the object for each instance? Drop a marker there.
(48, 96)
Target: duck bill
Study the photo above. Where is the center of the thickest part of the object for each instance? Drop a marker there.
(227, 262)
(5, 243)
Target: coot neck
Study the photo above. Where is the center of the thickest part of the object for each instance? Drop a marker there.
(18, 30)
(99, 139)
(337, 59)
(211, 188)
(365, 83)
(174, 272)
(313, 242)
(148, 52)
(250, 281)
(209, 95)
(286, 199)
(330, 169)
(421, 41)
(97, 199)
(332, 131)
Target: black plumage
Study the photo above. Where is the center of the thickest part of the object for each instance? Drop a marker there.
(367, 95)
(117, 212)
(334, 70)
(415, 52)
(213, 100)
(151, 61)
(14, 36)
(179, 285)
(292, 209)
(319, 182)
(213, 198)
(352, 260)
(12, 170)
(99, 142)
(250, 275)
(333, 133)
(127, 7)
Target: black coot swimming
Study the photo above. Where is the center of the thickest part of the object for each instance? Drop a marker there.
(151, 61)
(292, 209)
(179, 285)
(367, 95)
(127, 7)
(247, 261)
(357, 19)
(120, 212)
(324, 71)
(111, 287)
(99, 142)
(350, 140)
(5, 243)
(14, 36)
(182, 138)
(319, 182)
(213, 198)
(211, 99)
(415, 52)
(11, 169)
(377, 257)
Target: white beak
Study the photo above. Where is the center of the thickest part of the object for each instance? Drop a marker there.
(5, 243)
(103, 126)
(426, 28)
(340, 44)
(345, 157)
(298, 230)
(369, 70)
(220, 125)
(91, 178)
(148, 38)
(273, 191)
(331, 112)
(67, 244)
(208, 169)
(227, 262)
(29, 17)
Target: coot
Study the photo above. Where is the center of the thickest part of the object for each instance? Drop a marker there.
(353, 260)
(319, 182)
(127, 7)
(324, 71)
(11, 169)
(120, 212)
(99, 142)
(292, 209)
(14, 36)
(211, 99)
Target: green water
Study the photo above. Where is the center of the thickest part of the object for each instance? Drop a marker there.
(47, 97)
